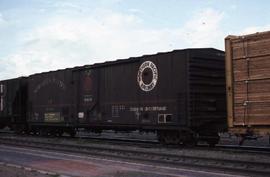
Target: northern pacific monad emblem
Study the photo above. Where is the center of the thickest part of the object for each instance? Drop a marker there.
(147, 76)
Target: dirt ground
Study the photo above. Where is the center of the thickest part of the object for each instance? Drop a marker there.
(9, 171)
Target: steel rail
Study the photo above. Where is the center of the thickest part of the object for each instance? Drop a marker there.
(147, 155)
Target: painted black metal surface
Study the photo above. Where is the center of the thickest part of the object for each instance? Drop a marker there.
(183, 88)
(13, 101)
(174, 90)
(51, 98)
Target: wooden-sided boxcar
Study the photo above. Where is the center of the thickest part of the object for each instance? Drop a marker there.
(248, 84)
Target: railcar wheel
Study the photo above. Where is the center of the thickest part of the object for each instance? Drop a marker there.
(190, 142)
(43, 132)
(52, 132)
(72, 132)
(173, 138)
(189, 138)
(19, 129)
(2, 126)
(160, 137)
(59, 133)
(169, 137)
(213, 141)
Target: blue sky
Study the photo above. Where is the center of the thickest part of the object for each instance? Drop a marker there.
(42, 35)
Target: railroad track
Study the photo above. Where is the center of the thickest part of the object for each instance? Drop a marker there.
(94, 139)
(155, 143)
(148, 143)
(151, 143)
(246, 163)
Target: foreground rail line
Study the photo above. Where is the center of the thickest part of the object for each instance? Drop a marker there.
(142, 143)
(149, 143)
(257, 164)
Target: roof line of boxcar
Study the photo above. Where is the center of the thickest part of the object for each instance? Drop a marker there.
(21, 77)
(134, 59)
(113, 62)
(118, 61)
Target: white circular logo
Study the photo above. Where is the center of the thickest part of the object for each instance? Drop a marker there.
(147, 65)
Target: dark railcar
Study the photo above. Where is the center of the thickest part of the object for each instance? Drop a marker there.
(51, 102)
(86, 93)
(13, 103)
(248, 84)
(179, 94)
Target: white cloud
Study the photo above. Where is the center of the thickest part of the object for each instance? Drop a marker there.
(2, 21)
(204, 28)
(66, 41)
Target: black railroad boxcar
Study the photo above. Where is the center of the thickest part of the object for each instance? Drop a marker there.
(51, 103)
(180, 95)
(13, 103)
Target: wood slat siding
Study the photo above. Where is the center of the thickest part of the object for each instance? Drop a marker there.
(248, 81)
